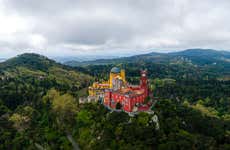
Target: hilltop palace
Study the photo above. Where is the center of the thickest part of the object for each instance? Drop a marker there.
(117, 92)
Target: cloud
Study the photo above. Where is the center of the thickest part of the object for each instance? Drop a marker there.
(112, 27)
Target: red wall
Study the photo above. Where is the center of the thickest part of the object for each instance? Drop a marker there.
(111, 99)
(128, 102)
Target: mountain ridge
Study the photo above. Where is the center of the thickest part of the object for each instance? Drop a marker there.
(194, 55)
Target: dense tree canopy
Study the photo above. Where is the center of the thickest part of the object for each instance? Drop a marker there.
(39, 107)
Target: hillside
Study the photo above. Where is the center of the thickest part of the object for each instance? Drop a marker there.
(194, 56)
(36, 73)
(39, 106)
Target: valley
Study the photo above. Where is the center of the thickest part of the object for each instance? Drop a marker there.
(39, 103)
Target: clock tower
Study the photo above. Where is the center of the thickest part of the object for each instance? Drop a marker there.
(144, 82)
(144, 79)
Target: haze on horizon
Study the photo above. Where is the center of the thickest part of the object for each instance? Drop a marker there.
(112, 27)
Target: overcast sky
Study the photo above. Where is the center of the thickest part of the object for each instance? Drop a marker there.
(112, 27)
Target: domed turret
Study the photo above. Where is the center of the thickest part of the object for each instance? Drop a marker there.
(115, 70)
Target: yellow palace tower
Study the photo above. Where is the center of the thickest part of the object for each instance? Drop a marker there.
(116, 73)
(98, 88)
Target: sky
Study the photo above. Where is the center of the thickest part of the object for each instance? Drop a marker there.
(112, 27)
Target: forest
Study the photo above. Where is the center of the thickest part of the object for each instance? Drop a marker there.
(39, 106)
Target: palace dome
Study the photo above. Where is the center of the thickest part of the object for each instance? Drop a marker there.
(115, 70)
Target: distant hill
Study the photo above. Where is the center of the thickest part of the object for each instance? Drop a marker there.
(194, 56)
(30, 61)
(81, 58)
(203, 56)
(202, 53)
(2, 59)
(30, 66)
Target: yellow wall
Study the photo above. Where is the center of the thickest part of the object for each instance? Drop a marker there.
(123, 75)
(111, 77)
(96, 87)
